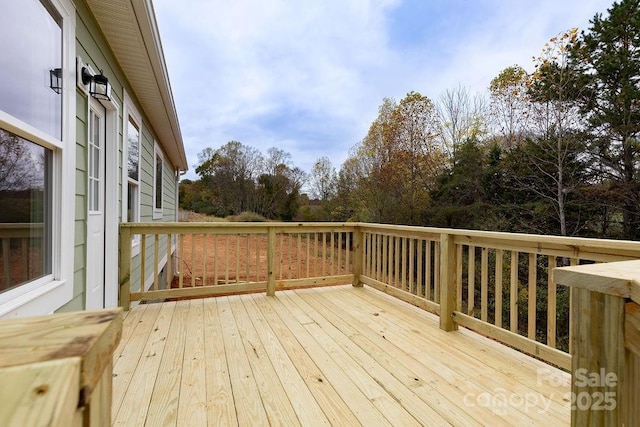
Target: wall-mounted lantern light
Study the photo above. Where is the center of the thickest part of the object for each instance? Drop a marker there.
(55, 80)
(99, 86)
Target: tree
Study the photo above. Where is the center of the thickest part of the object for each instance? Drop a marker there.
(22, 179)
(19, 170)
(276, 159)
(459, 191)
(420, 159)
(609, 57)
(398, 161)
(462, 118)
(323, 179)
(555, 153)
(372, 160)
(347, 204)
(229, 175)
(278, 190)
(509, 104)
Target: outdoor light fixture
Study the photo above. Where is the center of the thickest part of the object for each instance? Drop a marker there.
(55, 80)
(99, 86)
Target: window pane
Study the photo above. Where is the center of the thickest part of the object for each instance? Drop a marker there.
(158, 182)
(96, 130)
(132, 203)
(96, 163)
(96, 196)
(133, 136)
(31, 47)
(25, 217)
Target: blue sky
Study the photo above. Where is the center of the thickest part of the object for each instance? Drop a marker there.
(307, 76)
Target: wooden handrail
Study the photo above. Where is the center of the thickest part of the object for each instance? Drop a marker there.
(20, 230)
(620, 279)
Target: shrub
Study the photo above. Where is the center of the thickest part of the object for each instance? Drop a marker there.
(246, 217)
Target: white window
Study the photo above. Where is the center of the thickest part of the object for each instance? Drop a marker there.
(157, 182)
(37, 157)
(133, 170)
(132, 127)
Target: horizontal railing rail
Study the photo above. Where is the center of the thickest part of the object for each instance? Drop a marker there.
(498, 284)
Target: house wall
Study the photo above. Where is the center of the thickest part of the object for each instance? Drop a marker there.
(93, 49)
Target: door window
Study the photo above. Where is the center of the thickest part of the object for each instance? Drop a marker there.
(96, 156)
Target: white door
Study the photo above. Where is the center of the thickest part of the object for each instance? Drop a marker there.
(96, 206)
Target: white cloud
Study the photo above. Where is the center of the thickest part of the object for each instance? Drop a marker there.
(308, 76)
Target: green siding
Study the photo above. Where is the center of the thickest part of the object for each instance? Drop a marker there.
(169, 195)
(78, 283)
(146, 176)
(94, 50)
(76, 304)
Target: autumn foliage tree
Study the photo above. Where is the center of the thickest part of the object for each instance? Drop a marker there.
(399, 159)
(509, 105)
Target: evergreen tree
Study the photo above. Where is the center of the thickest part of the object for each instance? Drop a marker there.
(609, 58)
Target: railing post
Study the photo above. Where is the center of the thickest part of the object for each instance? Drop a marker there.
(357, 257)
(605, 355)
(447, 282)
(125, 267)
(60, 368)
(271, 256)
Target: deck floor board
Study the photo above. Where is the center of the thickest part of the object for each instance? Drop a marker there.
(163, 408)
(337, 355)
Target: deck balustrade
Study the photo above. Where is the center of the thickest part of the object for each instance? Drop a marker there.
(498, 284)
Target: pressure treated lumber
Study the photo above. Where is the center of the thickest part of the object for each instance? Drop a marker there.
(336, 355)
(58, 368)
(605, 341)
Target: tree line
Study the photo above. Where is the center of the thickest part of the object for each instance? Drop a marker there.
(237, 178)
(551, 151)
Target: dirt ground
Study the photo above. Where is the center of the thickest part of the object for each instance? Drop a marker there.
(210, 260)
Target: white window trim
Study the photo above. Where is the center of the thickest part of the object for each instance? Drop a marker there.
(111, 226)
(49, 293)
(129, 109)
(157, 152)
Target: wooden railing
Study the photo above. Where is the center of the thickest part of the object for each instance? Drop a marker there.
(499, 284)
(16, 264)
(225, 258)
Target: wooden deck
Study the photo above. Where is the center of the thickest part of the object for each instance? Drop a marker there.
(325, 356)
